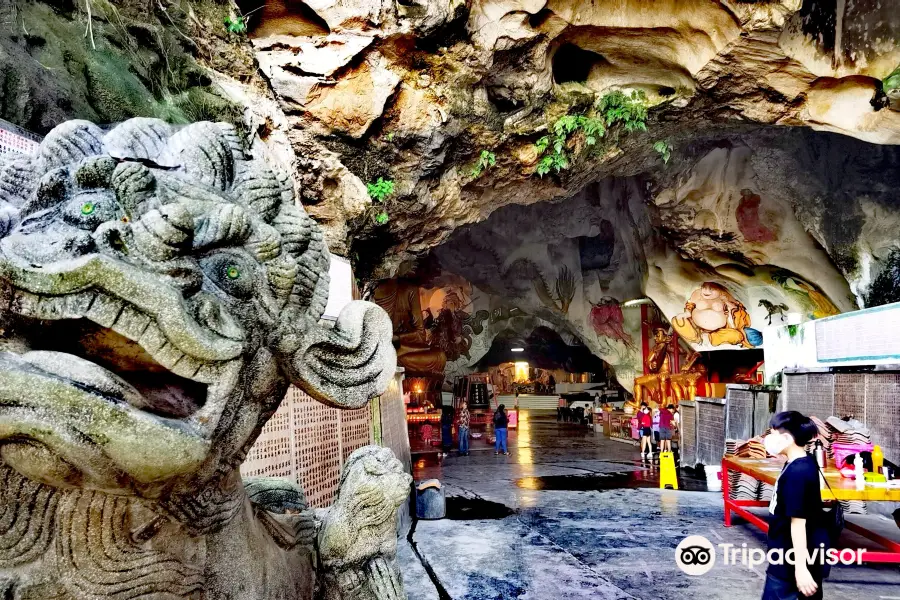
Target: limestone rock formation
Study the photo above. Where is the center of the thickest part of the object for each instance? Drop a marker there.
(494, 76)
(160, 289)
(460, 105)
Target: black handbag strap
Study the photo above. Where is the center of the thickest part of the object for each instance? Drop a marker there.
(825, 479)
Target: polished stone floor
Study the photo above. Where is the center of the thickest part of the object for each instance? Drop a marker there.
(573, 515)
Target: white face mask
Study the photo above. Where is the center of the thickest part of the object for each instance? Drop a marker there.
(775, 443)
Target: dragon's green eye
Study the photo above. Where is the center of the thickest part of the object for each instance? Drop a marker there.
(232, 272)
(87, 208)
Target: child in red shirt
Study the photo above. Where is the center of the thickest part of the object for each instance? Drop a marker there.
(645, 424)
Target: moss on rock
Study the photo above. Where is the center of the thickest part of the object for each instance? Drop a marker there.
(129, 62)
(886, 285)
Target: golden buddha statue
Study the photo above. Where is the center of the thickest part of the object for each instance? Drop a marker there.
(400, 299)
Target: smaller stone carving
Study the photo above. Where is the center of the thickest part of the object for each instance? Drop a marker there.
(358, 535)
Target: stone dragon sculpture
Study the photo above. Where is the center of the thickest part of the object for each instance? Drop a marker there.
(159, 291)
(357, 540)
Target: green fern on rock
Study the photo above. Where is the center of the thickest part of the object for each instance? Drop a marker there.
(613, 110)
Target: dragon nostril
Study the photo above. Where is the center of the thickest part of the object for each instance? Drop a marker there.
(114, 237)
(212, 315)
(110, 238)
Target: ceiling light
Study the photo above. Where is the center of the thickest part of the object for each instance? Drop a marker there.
(518, 349)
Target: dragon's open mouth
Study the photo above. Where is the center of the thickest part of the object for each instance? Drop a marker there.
(102, 344)
(99, 381)
(118, 366)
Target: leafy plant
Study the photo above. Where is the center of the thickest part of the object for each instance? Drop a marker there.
(381, 189)
(630, 110)
(235, 24)
(486, 160)
(614, 109)
(554, 147)
(665, 150)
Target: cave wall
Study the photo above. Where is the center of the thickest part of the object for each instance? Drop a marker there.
(720, 238)
(414, 92)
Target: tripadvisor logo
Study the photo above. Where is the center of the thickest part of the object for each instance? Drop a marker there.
(696, 555)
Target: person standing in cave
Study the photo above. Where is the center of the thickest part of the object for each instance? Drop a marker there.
(645, 424)
(501, 421)
(666, 419)
(796, 521)
(656, 417)
(446, 429)
(464, 420)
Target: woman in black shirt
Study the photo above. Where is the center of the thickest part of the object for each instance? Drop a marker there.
(795, 521)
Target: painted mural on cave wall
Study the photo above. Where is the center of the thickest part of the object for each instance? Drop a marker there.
(721, 255)
(444, 328)
(713, 317)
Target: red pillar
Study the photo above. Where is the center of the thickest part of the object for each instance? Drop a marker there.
(645, 337)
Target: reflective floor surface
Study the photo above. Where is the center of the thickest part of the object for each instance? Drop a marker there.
(571, 514)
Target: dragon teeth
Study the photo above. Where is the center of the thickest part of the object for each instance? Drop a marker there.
(50, 307)
(187, 367)
(105, 310)
(168, 356)
(152, 339)
(207, 373)
(77, 304)
(25, 303)
(131, 323)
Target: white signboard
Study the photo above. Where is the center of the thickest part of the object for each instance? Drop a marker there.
(340, 290)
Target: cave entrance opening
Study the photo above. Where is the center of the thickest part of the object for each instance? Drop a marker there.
(268, 18)
(574, 64)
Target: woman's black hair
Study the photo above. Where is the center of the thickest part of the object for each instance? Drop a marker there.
(801, 427)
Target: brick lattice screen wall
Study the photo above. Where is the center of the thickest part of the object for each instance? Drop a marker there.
(873, 398)
(308, 442)
(15, 140)
(710, 432)
(740, 414)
